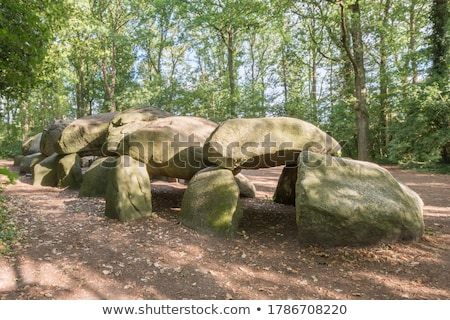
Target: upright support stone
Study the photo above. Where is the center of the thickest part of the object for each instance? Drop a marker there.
(211, 203)
(45, 173)
(95, 180)
(69, 172)
(128, 194)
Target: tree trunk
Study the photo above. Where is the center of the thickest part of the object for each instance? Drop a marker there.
(80, 89)
(109, 79)
(383, 137)
(440, 47)
(25, 122)
(231, 77)
(412, 46)
(313, 95)
(357, 59)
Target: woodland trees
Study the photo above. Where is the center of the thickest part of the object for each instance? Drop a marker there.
(375, 74)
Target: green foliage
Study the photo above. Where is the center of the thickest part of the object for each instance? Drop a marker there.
(25, 32)
(8, 231)
(10, 175)
(222, 59)
(421, 129)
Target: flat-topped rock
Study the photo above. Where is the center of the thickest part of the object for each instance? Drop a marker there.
(265, 142)
(171, 146)
(85, 136)
(129, 121)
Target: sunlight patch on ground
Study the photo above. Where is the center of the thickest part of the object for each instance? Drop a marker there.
(7, 277)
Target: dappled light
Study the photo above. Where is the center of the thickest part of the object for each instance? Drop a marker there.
(68, 249)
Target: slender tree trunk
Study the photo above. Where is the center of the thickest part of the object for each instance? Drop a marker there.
(231, 77)
(313, 95)
(25, 121)
(284, 79)
(383, 137)
(412, 46)
(109, 78)
(357, 59)
(80, 89)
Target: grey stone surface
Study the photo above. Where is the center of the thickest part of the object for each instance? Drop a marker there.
(211, 203)
(265, 142)
(128, 193)
(348, 202)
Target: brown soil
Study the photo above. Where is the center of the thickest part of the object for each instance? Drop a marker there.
(69, 250)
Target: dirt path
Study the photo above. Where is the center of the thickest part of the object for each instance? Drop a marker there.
(69, 250)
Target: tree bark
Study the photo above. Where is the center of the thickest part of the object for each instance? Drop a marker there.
(356, 56)
(412, 46)
(229, 41)
(109, 78)
(383, 136)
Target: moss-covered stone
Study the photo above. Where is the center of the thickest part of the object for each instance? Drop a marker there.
(69, 172)
(264, 142)
(51, 135)
(211, 203)
(31, 145)
(95, 180)
(129, 121)
(85, 136)
(28, 162)
(128, 194)
(348, 202)
(171, 146)
(45, 173)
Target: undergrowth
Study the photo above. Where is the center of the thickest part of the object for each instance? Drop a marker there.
(8, 231)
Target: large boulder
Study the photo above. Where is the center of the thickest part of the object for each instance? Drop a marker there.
(348, 202)
(31, 145)
(51, 135)
(85, 136)
(69, 173)
(211, 203)
(171, 146)
(265, 142)
(28, 162)
(95, 179)
(130, 121)
(45, 173)
(128, 192)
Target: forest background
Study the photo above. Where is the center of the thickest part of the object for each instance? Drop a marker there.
(374, 74)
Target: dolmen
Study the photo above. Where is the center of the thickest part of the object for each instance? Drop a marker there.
(339, 201)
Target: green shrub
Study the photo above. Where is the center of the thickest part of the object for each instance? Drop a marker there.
(8, 230)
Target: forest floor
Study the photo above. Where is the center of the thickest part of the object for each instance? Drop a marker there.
(67, 249)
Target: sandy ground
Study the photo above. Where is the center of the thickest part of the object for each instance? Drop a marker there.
(69, 250)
